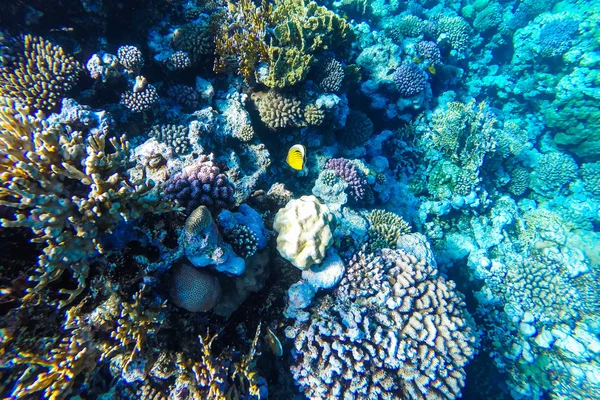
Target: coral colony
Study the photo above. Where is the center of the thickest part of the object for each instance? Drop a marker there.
(296, 199)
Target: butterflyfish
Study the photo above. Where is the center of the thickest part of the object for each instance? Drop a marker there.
(296, 157)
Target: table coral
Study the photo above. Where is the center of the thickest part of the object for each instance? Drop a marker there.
(393, 329)
(67, 190)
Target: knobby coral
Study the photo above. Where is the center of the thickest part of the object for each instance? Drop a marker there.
(394, 330)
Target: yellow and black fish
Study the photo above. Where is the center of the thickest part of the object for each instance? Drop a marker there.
(296, 157)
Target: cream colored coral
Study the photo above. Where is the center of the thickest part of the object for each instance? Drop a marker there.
(305, 228)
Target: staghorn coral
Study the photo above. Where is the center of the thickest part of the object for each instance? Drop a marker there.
(137, 320)
(277, 110)
(409, 79)
(305, 231)
(131, 58)
(357, 131)
(67, 191)
(201, 184)
(39, 75)
(394, 329)
(141, 98)
(55, 373)
(174, 136)
(194, 289)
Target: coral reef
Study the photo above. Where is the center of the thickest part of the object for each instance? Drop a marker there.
(394, 328)
(409, 79)
(39, 75)
(141, 98)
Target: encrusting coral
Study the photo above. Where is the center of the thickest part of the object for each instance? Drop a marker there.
(40, 75)
(394, 329)
(67, 190)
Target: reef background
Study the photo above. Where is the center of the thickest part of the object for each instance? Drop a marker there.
(440, 242)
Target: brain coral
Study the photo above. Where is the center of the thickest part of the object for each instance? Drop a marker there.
(393, 330)
(40, 74)
(305, 231)
(194, 289)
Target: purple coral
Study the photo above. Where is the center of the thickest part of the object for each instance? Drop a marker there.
(201, 184)
(409, 79)
(429, 51)
(359, 188)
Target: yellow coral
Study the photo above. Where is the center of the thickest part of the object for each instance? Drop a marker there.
(66, 190)
(40, 76)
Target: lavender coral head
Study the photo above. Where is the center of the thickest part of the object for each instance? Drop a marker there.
(409, 79)
(201, 184)
(429, 51)
(357, 183)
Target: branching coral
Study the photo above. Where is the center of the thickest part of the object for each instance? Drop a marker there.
(393, 330)
(67, 191)
(386, 227)
(40, 75)
(278, 110)
(300, 30)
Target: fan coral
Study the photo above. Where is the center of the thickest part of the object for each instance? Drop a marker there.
(329, 75)
(196, 39)
(174, 136)
(410, 79)
(201, 184)
(243, 241)
(67, 191)
(305, 231)
(142, 97)
(357, 131)
(194, 289)
(394, 329)
(277, 110)
(131, 58)
(40, 75)
(185, 96)
(429, 51)
(359, 188)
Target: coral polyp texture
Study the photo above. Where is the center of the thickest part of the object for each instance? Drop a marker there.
(394, 329)
(39, 74)
(360, 190)
(202, 183)
(141, 98)
(410, 79)
(67, 190)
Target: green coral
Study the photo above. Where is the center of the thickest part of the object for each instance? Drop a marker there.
(385, 229)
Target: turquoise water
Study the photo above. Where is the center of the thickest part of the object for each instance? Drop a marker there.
(336, 199)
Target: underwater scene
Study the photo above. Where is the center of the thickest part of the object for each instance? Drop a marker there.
(299, 199)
